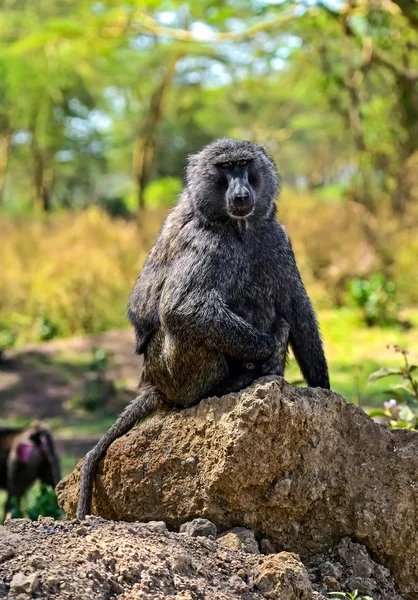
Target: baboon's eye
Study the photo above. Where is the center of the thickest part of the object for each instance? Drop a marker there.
(225, 165)
(242, 163)
(250, 366)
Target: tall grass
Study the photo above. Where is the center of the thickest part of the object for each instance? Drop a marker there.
(70, 273)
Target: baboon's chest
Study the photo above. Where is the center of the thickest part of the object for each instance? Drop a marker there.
(252, 292)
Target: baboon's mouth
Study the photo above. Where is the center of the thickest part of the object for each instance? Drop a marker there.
(240, 213)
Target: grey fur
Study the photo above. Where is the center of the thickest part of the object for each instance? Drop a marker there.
(217, 292)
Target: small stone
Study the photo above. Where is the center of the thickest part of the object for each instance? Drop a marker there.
(24, 583)
(5, 556)
(283, 577)
(266, 547)
(239, 538)
(331, 583)
(363, 566)
(237, 584)
(363, 585)
(381, 573)
(42, 519)
(4, 588)
(158, 526)
(208, 543)
(94, 519)
(52, 581)
(37, 562)
(328, 568)
(94, 555)
(81, 530)
(199, 528)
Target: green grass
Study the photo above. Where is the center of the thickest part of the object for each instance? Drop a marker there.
(354, 351)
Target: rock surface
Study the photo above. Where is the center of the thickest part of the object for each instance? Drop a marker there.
(199, 528)
(300, 467)
(240, 538)
(138, 562)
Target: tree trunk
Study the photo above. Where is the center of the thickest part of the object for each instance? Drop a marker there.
(408, 103)
(42, 177)
(5, 139)
(145, 143)
(409, 10)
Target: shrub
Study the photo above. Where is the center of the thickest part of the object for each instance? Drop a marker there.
(377, 298)
(8, 337)
(41, 502)
(99, 388)
(163, 192)
(70, 273)
(400, 412)
(44, 503)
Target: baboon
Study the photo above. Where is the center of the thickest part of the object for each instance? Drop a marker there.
(219, 294)
(26, 454)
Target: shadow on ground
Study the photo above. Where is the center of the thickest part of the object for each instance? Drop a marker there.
(37, 381)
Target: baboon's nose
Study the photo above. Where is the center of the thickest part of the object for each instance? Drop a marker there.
(241, 205)
(242, 197)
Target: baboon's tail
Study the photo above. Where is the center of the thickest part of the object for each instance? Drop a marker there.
(145, 403)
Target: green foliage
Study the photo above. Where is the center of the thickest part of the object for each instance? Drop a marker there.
(42, 502)
(80, 85)
(402, 411)
(45, 504)
(349, 595)
(45, 328)
(15, 510)
(377, 298)
(163, 192)
(98, 388)
(100, 361)
(8, 336)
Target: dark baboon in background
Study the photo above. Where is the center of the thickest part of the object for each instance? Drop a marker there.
(219, 295)
(26, 454)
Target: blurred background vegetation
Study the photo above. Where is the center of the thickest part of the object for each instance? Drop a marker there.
(100, 104)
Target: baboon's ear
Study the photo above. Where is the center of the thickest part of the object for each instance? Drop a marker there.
(268, 156)
(265, 152)
(191, 162)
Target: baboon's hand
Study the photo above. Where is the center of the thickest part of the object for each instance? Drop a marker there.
(267, 346)
(272, 366)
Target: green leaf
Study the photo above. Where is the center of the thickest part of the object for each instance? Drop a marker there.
(406, 413)
(378, 412)
(405, 388)
(383, 372)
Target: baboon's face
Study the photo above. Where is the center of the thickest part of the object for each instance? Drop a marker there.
(239, 195)
(32, 446)
(232, 180)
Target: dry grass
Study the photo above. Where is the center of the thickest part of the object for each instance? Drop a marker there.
(72, 272)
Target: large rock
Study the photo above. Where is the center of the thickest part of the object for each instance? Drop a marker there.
(298, 466)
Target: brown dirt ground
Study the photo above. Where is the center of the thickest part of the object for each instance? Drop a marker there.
(36, 381)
